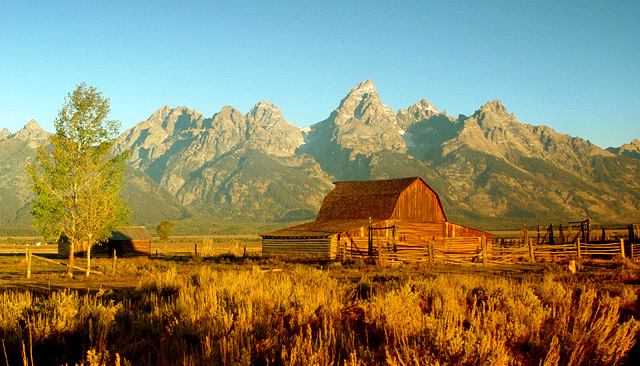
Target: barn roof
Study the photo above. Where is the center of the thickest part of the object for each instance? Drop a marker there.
(318, 229)
(130, 233)
(375, 199)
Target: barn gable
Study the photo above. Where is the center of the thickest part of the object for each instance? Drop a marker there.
(401, 199)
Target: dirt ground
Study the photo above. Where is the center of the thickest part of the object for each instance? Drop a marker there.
(50, 276)
(608, 275)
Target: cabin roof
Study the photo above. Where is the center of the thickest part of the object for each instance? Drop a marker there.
(130, 233)
(376, 199)
(318, 229)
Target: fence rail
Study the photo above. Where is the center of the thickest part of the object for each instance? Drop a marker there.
(474, 251)
(30, 256)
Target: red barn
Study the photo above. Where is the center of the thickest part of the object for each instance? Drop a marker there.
(400, 219)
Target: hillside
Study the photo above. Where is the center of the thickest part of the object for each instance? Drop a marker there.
(491, 170)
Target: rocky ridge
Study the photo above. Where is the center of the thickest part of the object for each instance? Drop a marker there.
(490, 169)
(218, 165)
(631, 149)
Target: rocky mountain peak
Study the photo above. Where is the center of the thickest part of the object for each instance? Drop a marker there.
(423, 105)
(418, 112)
(4, 133)
(366, 86)
(175, 119)
(361, 102)
(264, 113)
(268, 131)
(31, 131)
(32, 125)
(360, 125)
(495, 106)
(161, 113)
(227, 118)
(494, 115)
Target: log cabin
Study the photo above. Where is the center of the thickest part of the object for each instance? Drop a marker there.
(395, 219)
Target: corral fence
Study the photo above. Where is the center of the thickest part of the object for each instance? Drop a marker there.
(446, 250)
(577, 240)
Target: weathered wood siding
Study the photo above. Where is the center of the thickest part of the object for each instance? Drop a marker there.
(418, 202)
(63, 249)
(129, 248)
(455, 231)
(410, 241)
(418, 233)
(324, 248)
(123, 248)
(136, 247)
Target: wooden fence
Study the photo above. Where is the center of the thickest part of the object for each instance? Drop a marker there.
(475, 250)
(448, 250)
(576, 250)
(634, 251)
(30, 256)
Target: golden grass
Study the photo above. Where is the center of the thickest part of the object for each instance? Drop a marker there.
(216, 314)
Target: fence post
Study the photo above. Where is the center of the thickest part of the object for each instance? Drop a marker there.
(622, 248)
(578, 247)
(531, 255)
(483, 240)
(115, 259)
(28, 264)
(431, 242)
(196, 248)
(632, 254)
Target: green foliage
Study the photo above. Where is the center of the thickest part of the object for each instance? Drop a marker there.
(164, 229)
(76, 181)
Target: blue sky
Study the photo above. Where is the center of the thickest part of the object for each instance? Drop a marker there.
(574, 66)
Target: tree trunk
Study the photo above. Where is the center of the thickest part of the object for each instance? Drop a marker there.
(88, 258)
(89, 245)
(72, 249)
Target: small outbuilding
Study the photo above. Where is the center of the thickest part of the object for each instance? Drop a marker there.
(398, 219)
(131, 241)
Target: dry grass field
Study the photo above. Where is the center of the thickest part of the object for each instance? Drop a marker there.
(224, 308)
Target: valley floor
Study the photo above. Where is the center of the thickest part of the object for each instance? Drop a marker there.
(176, 308)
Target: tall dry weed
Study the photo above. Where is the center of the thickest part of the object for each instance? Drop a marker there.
(223, 315)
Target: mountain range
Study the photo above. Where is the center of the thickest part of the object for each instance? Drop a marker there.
(490, 170)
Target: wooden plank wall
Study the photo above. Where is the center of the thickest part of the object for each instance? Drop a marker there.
(419, 203)
(411, 244)
(124, 248)
(454, 231)
(418, 233)
(355, 243)
(63, 249)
